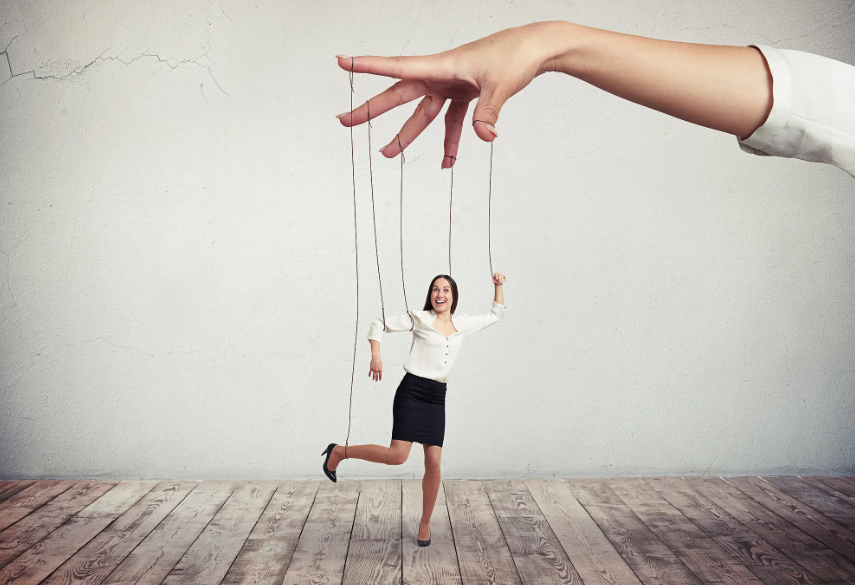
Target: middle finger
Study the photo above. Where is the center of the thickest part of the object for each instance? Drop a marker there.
(427, 110)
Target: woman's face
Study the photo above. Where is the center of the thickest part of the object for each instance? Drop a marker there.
(440, 296)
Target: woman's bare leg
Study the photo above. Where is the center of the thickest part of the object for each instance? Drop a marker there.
(430, 487)
(395, 454)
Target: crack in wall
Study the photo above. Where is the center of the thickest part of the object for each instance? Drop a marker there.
(79, 69)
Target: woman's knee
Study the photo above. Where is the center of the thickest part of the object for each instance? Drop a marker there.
(398, 457)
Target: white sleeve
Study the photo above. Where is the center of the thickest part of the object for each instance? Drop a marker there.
(393, 325)
(479, 322)
(813, 110)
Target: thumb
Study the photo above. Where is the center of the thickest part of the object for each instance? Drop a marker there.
(486, 113)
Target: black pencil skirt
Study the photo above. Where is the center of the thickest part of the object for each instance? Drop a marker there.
(419, 411)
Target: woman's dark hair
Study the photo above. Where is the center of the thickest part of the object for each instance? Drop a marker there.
(429, 306)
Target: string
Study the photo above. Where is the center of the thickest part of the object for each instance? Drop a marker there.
(401, 232)
(356, 248)
(489, 213)
(450, 201)
(374, 216)
(489, 203)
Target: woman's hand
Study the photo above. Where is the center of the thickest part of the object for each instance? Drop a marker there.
(721, 87)
(491, 69)
(499, 279)
(376, 369)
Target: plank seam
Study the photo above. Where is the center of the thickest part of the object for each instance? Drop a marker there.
(270, 499)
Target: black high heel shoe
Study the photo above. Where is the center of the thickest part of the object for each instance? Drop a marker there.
(328, 452)
(423, 542)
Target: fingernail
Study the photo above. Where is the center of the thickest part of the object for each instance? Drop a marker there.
(342, 57)
(340, 116)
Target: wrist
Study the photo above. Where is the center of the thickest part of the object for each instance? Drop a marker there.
(562, 46)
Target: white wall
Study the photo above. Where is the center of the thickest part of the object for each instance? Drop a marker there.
(176, 252)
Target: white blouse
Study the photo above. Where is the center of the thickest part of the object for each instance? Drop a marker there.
(813, 110)
(432, 354)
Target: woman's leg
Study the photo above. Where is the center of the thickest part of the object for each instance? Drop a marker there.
(430, 487)
(395, 454)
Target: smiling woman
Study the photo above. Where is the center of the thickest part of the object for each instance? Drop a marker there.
(419, 405)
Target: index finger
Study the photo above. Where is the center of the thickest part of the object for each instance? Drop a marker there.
(419, 67)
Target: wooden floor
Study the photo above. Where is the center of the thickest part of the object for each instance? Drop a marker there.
(745, 530)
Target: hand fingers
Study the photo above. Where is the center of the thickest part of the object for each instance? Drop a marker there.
(420, 67)
(453, 128)
(400, 93)
(427, 110)
(486, 113)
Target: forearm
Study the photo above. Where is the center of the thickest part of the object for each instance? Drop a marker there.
(499, 294)
(375, 347)
(721, 87)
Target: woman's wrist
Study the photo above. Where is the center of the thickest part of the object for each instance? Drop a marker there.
(561, 43)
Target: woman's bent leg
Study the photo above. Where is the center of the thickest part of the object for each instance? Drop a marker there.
(395, 454)
(430, 487)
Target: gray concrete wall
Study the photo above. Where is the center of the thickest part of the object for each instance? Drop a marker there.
(176, 252)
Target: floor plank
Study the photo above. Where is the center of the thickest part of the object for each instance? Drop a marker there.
(796, 544)
(823, 502)
(322, 549)
(30, 499)
(160, 551)
(839, 487)
(430, 565)
(536, 550)
(615, 531)
(92, 563)
(42, 558)
(481, 548)
(268, 550)
(213, 552)
(10, 488)
(830, 533)
(746, 546)
(375, 540)
(705, 557)
(592, 554)
(31, 529)
(652, 561)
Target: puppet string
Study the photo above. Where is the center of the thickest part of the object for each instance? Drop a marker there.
(489, 203)
(356, 249)
(401, 232)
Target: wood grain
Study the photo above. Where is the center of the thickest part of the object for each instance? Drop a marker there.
(703, 556)
(652, 561)
(36, 525)
(830, 533)
(267, 552)
(153, 559)
(820, 500)
(213, 552)
(746, 546)
(92, 563)
(9, 488)
(481, 548)
(799, 546)
(592, 554)
(430, 565)
(29, 499)
(42, 558)
(375, 540)
(322, 549)
(536, 550)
